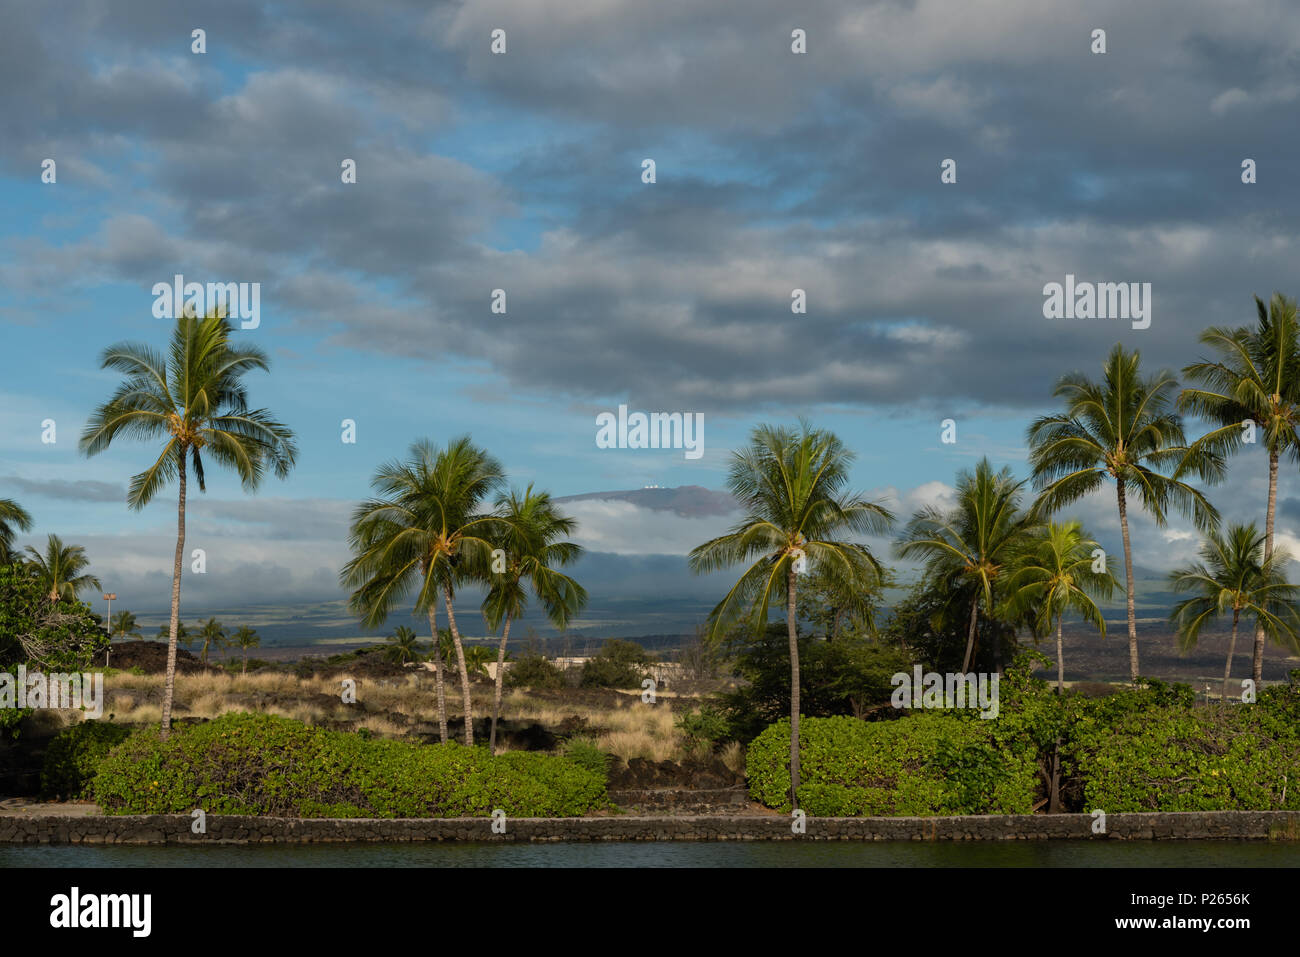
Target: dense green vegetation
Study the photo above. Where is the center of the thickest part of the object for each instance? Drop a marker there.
(262, 764)
(73, 757)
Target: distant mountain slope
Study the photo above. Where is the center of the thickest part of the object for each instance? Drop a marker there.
(689, 501)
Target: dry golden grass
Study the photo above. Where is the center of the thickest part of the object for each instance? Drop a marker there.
(733, 756)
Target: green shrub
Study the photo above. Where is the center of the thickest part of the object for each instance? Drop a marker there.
(73, 757)
(926, 764)
(709, 725)
(620, 664)
(267, 765)
(584, 753)
(1244, 757)
(533, 671)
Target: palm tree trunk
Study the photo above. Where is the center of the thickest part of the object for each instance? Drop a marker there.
(1257, 663)
(496, 704)
(437, 673)
(1128, 581)
(244, 670)
(1227, 668)
(169, 685)
(792, 629)
(464, 672)
(970, 635)
(1060, 659)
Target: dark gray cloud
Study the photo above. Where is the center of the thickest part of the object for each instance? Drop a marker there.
(84, 490)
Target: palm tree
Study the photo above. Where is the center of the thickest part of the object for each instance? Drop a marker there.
(791, 486)
(426, 532)
(972, 544)
(60, 569)
(124, 625)
(1120, 429)
(192, 400)
(246, 638)
(182, 633)
(212, 633)
(477, 658)
(402, 646)
(13, 518)
(1055, 573)
(1257, 377)
(530, 534)
(1235, 574)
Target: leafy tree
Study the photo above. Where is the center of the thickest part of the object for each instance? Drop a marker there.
(1121, 429)
(193, 400)
(124, 625)
(60, 569)
(1255, 378)
(426, 531)
(1235, 575)
(620, 664)
(402, 646)
(13, 518)
(932, 624)
(530, 533)
(58, 635)
(973, 543)
(1055, 573)
(245, 638)
(791, 486)
(212, 633)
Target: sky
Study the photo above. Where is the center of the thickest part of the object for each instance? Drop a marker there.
(523, 171)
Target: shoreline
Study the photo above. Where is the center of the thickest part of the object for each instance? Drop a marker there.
(166, 829)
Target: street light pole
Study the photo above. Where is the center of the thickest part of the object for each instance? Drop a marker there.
(109, 597)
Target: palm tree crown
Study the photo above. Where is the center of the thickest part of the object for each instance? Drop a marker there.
(60, 569)
(13, 518)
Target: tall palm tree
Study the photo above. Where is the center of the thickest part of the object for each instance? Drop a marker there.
(124, 625)
(427, 532)
(213, 633)
(1121, 429)
(973, 543)
(791, 486)
(530, 533)
(193, 400)
(1055, 573)
(246, 638)
(402, 646)
(13, 518)
(60, 568)
(1255, 376)
(1235, 575)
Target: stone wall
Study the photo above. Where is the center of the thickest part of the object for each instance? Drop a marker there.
(176, 828)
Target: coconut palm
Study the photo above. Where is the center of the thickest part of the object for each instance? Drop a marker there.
(1056, 572)
(60, 569)
(970, 546)
(245, 638)
(194, 401)
(477, 658)
(1253, 383)
(426, 532)
(182, 633)
(13, 519)
(529, 534)
(212, 633)
(124, 625)
(791, 487)
(402, 646)
(1236, 575)
(1121, 429)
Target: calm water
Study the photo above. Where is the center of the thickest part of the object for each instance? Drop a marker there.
(672, 854)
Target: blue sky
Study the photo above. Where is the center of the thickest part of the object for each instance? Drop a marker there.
(775, 171)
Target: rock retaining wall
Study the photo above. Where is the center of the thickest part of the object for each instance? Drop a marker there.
(176, 829)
